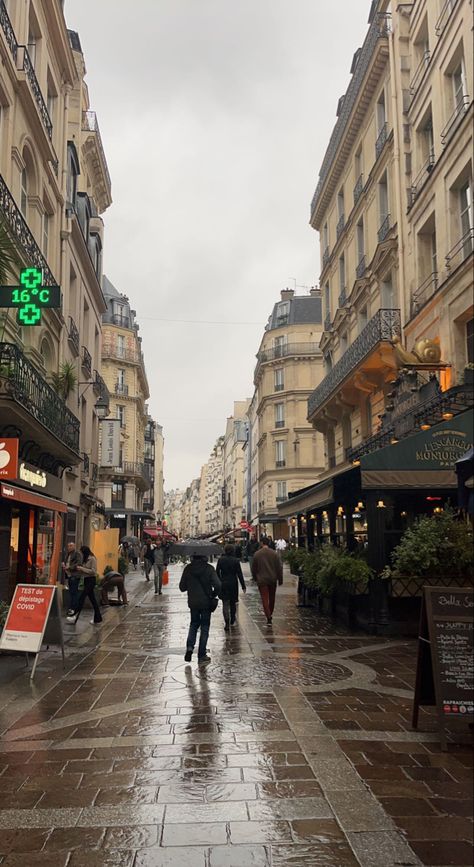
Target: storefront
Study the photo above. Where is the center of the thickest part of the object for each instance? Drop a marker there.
(32, 519)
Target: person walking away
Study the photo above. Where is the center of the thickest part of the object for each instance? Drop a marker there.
(135, 553)
(73, 560)
(148, 558)
(281, 546)
(267, 569)
(252, 549)
(229, 572)
(159, 564)
(113, 579)
(200, 582)
(89, 570)
(271, 543)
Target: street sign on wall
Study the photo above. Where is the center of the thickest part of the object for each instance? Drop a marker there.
(8, 458)
(110, 442)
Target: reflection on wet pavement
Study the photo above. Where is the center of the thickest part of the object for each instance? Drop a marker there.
(291, 747)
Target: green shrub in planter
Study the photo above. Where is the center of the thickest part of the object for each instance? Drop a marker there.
(434, 547)
(295, 557)
(337, 566)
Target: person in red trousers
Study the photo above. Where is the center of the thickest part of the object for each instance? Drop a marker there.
(267, 569)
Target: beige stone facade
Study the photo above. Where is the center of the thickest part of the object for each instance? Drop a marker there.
(286, 453)
(214, 508)
(172, 510)
(234, 440)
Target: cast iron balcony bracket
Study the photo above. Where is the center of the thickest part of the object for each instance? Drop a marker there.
(461, 250)
(419, 72)
(445, 15)
(384, 326)
(384, 229)
(379, 29)
(361, 268)
(7, 28)
(28, 68)
(358, 189)
(461, 109)
(381, 139)
(340, 226)
(422, 294)
(25, 385)
(421, 178)
(22, 235)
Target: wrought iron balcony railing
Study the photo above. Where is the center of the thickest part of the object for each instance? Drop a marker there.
(361, 268)
(461, 109)
(122, 389)
(341, 223)
(379, 29)
(115, 350)
(460, 251)
(25, 385)
(381, 139)
(419, 72)
(384, 326)
(445, 15)
(73, 336)
(286, 350)
(358, 189)
(421, 179)
(86, 361)
(128, 468)
(90, 124)
(384, 229)
(7, 28)
(21, 234)
(24, 63)
(280, 464)
(424, 292)
(117, 319)
(280, 422)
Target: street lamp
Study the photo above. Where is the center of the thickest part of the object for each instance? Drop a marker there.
(101, 408)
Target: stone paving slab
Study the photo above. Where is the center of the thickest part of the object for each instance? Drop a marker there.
(293, 747)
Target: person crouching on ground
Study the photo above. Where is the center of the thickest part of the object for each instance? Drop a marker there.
(229, 572)
(267, 569)
(89, 570)
(110, 580)
(200, 582)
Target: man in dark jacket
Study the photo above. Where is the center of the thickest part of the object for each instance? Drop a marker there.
(229, 572)
(267, 570)
(200, 582)
(73, 560)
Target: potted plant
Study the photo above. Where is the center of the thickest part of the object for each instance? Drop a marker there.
(65, 380)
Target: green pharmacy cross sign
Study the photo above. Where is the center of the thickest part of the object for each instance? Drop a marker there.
(31, 297)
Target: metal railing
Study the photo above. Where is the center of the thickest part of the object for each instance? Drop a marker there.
(361, 268)
(462, 107)
(384, 229)
(280, 422)
(122, 389)
(113, 350)
(90, 124)
(7, 28)
(358, 189)
(421, 178)
(379, 29)
(460, 251)
(128, 468)
(381, 139)
(23, 384)
(287, 349)
(419, 72)
(443, 19)
(372, 444)
(384, 326)
(117, 319)
(280, 464)
(21, 234)
(424, 292)
(25, 64)
(341, 223)
(279, 387)
(86, 361)
(73, 336)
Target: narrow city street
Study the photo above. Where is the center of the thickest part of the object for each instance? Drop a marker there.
(291, 747)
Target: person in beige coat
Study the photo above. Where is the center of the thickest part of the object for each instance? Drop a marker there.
(267, 569)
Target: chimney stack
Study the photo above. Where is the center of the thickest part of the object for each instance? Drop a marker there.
(315, 292)
(287, 294)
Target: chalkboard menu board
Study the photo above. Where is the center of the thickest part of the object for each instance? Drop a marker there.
(445, 674)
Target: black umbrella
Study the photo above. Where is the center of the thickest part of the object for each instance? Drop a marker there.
(129, 539)
(196, 548)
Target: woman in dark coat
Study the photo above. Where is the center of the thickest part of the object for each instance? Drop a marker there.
(229, 571)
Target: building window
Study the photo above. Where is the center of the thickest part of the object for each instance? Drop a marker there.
(283, 312)
(281, 491)
(327, 362)
(381, 112)
(279, 415)
(280, 453)
(32, 48)
(24, 193)
(327, 300)
(118, 494)
(465, 209)
(279, 344)
(121, 415)
(120, 376)
(279, 379)
(383, 198)
(72, 174)
(360, 241)
(342, 275)
(358, 163)
(120, 345)
(46, 226)
(340, 203)
(459, 85)
(362, 318)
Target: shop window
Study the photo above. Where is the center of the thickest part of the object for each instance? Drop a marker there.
(44, 545)
(470, 341)
(118, 494)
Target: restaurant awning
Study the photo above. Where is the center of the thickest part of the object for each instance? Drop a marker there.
(21, 495)
(424, 460)
(322, 494)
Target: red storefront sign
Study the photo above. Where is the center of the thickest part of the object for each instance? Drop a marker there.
(27, 618)
(8, 458)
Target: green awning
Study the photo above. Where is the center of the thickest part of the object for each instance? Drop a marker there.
(426, 459)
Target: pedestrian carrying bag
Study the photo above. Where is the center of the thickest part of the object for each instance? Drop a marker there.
(165, 578)
(213, 600)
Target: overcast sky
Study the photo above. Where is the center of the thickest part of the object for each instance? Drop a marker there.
(215, 115)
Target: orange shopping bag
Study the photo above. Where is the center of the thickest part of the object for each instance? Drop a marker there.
(166, 577)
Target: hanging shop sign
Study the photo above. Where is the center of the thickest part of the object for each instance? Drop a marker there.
(8, 458)
(110, 442)
(31, 297)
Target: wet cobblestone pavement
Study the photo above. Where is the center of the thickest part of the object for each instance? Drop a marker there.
(292, 747)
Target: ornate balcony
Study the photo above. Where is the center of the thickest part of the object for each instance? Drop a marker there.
(33, 406)
(382, 328)
(121, 353)
(445, 15)
(8, 31)
(136, 471)
(94, 151)
(460, 251)
(86, 361)
(461, 109)
(358, 189)
(421, 179)
(419, 72)
(367, 59)
(25, 65)
(384, 229)
(21, 234)
(381, 139)
(287, 350)
(424, 292)
(73, 336)
(121, 389)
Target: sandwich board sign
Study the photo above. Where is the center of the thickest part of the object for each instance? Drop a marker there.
(33, 620)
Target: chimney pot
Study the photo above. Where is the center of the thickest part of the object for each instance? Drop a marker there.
(286, 294)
